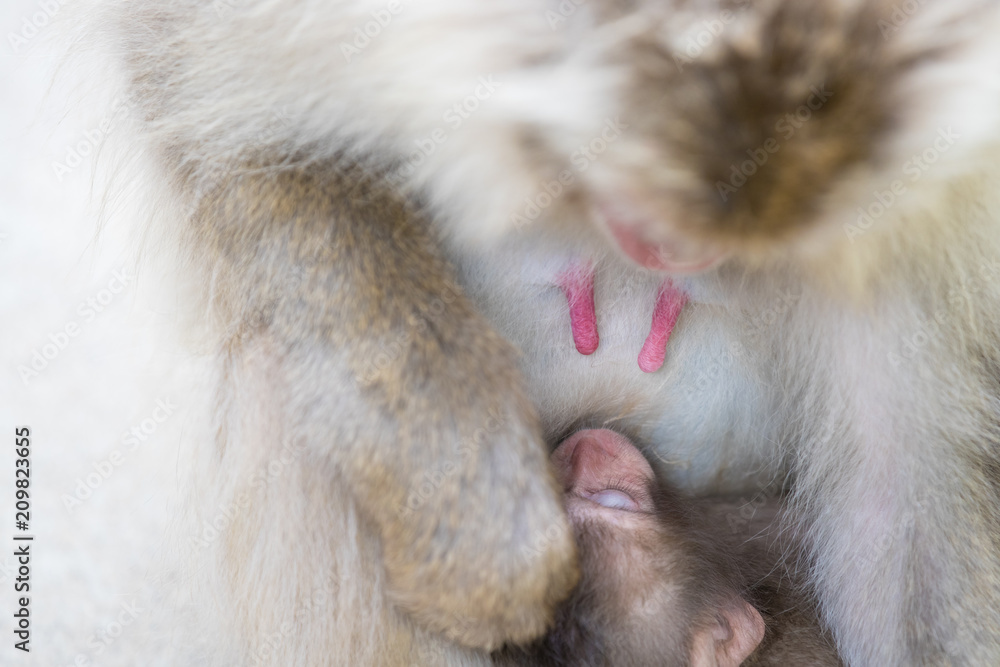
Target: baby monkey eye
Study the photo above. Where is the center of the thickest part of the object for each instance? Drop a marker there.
(615, 499)
(621, 495)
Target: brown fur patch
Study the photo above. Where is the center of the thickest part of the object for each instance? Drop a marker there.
(767, 119)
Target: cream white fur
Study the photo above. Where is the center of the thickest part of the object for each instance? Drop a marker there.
(879, 446)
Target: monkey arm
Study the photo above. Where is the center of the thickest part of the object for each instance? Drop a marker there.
(464, 97)
(393, 379)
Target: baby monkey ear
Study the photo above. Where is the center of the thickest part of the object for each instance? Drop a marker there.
(729, 638)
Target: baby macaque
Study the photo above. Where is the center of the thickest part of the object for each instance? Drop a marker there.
(666, 580)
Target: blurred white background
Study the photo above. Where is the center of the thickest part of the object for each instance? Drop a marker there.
(102, 498)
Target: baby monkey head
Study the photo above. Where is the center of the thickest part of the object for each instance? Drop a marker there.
(655, 590)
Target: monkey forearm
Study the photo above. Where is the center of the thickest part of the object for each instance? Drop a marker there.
(373, 77)
(394, 379)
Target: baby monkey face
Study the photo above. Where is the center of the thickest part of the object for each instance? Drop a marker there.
(655, 589)
(602, 470)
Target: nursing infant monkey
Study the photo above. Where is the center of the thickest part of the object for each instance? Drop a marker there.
(660, 584)
(385, 206)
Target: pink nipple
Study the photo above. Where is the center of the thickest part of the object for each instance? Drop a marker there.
(669, 303)
(577, 282)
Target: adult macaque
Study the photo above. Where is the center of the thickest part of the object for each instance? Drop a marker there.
(824, 172)
(665, 581)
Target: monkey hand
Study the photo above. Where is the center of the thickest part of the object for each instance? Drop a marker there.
(475, 539)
